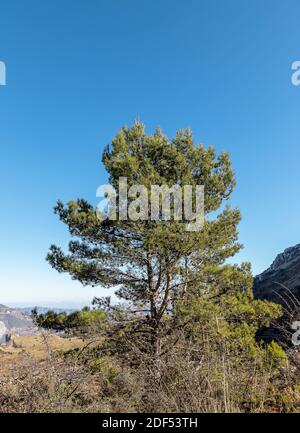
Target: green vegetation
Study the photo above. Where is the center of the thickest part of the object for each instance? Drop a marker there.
(162, 269)
(182, 337)
(78, 321)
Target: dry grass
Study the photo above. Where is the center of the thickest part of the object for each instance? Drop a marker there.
(34, 348)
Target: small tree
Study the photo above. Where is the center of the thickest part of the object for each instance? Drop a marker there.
(157, 265)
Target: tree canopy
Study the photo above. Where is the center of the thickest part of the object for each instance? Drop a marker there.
(158, 267)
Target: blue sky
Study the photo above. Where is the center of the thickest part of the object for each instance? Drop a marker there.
(78, 70)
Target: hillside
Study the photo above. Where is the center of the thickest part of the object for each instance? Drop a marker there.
(281, 279)
(15, 322)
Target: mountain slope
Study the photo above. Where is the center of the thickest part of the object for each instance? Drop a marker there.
(284, 271)
(14, 322)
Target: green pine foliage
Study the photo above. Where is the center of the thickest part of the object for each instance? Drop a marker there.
(178, 286)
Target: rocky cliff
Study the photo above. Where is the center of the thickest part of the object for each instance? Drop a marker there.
(280, 283)
(281, 279)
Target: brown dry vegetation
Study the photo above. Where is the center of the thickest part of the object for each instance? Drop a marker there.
(33, 348)
(53, 374)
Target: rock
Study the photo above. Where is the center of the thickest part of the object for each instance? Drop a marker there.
(281, 281)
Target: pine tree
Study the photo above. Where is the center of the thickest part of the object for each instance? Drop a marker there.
(158, 265)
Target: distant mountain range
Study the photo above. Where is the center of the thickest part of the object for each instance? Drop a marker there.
(43, 310)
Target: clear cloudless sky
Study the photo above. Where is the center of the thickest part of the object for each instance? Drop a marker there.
(78, 70)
